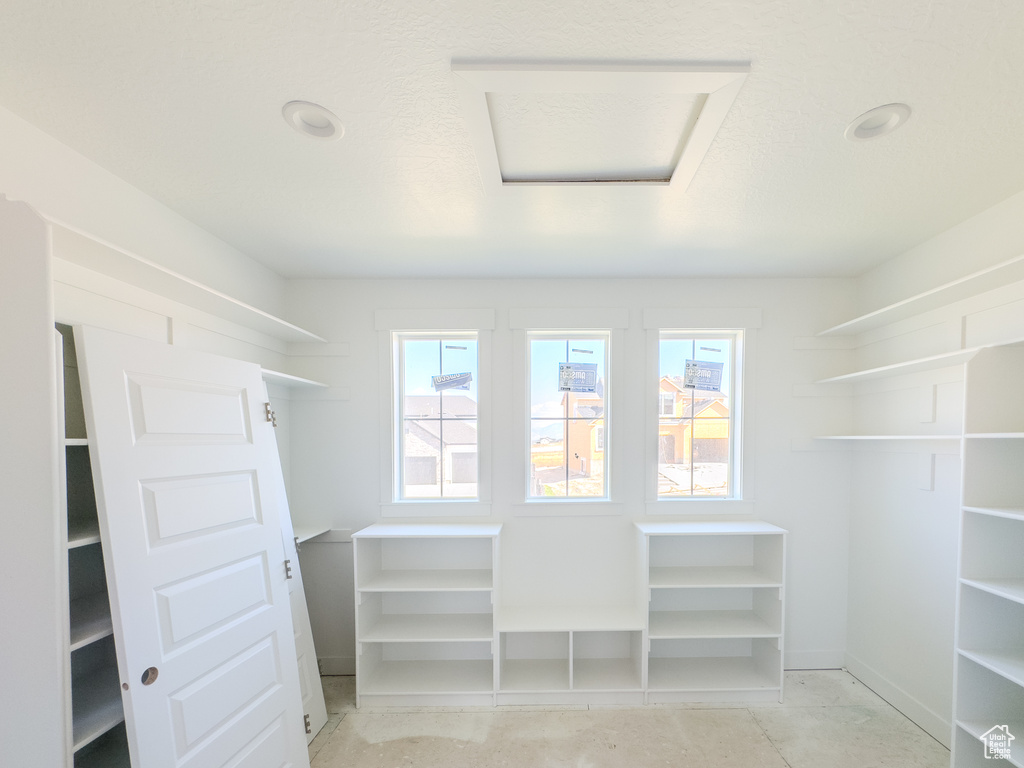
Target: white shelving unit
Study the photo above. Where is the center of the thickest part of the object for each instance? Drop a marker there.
(715, 622)
(96, 713)
(989, 681)
(431, 628)
(425, 614)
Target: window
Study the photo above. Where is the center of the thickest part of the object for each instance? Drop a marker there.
(697, 424)
(568, 415)
(436, 405)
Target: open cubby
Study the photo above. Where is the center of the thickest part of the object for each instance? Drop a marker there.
(534, 661)
(984, 700)
(992, 476)
(607, 661)
(412, 616)
(715, 612)
(714, 670)
(992, 553)
(992, 632)
(83, 523)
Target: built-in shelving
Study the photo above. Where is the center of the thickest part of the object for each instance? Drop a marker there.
(715, 623)
(425, 613)
(930, 363)
(989, 680)
(289, 380)
(974, 284)
(94, 689)
(890, 438)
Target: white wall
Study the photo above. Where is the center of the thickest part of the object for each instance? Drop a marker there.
(903, 529)
(336, 466)
(32, 559)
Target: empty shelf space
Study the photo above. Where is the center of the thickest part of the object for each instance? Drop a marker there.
(731, 673)
(76, 442)
(95, 705)
(1008, 588)
(566, 618)
(994, 435)
(108, 751)
(90, 619)
(606, 675)
(424, 580)
(711, 624)
(430, 676)
(930, 363)
(711, 576)
(1004, 663)
(976, 729)
(888, 437)
(410, 627)
(535, 675)
(1009, 513)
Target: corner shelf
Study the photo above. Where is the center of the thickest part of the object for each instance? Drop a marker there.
(965, 287)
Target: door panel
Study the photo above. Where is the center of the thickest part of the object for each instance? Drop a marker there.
(183, 462)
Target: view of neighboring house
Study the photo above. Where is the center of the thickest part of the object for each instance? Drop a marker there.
(578, 447)
(693, 425)
(429, 439)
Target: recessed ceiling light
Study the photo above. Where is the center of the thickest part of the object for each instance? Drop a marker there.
(313, 120)
(877, 122)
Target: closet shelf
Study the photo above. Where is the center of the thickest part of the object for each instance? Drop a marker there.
(1007, 512)
(606, 675)
(536, 675)
(709, 624)
(1008, 665)
(1008, 589)
(973, 284)
(978, 728)
(429, 580)
(288, 380)
(96, 705)
(888, 437)
(698, 674)
(994, 435)
(930, 363)
(710, 576)
(76, 441)
(430, 627)
(90, 619)
(429, 676)
(570, 618)
(83, 533)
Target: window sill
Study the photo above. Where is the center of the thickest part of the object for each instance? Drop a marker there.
(567, 508)
(430, 508)
(700, 507)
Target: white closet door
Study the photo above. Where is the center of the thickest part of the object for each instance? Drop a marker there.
(183, 464)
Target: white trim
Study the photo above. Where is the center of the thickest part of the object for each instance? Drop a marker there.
(697, 318)
(434, 319)
(720, 83)
(569, 320)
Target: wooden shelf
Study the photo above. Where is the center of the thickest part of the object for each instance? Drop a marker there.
(1008, 665)
(1009, 513)
(90, 620)
(428, 580)
(430, 627)
(962, 288)
(538, 675)
(570, 618)
(288, 380)
(709, 624)
(893, 438)
(1008, 589)
(96, 705)
(931, 363)
(710, 576)
(730, 673)
(428, 676)
(606, 675)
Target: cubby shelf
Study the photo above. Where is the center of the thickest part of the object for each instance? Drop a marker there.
(710, 576)
(710, 624)
(95, 705)
(930, 363)
(427, 580)
(976, 729)
(438, 677)
(90, 620)
(1004, 663)
(722, 674)
(436, 627)
(1007, 588)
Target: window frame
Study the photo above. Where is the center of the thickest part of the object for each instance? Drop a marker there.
(733, 476)
(569, 336)
(709, 322)
(428, 322)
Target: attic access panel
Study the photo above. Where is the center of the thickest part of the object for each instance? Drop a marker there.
(594, 125)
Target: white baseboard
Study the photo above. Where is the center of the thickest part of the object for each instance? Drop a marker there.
(337, 665)
(940, 728)
(814, 659)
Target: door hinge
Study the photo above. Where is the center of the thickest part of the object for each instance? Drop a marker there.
(287, 569)
(305, 719)
(271, 416)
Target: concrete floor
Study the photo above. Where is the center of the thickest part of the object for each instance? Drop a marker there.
(829, 719)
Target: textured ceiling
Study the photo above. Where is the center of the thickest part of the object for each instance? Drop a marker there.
(182, 98)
